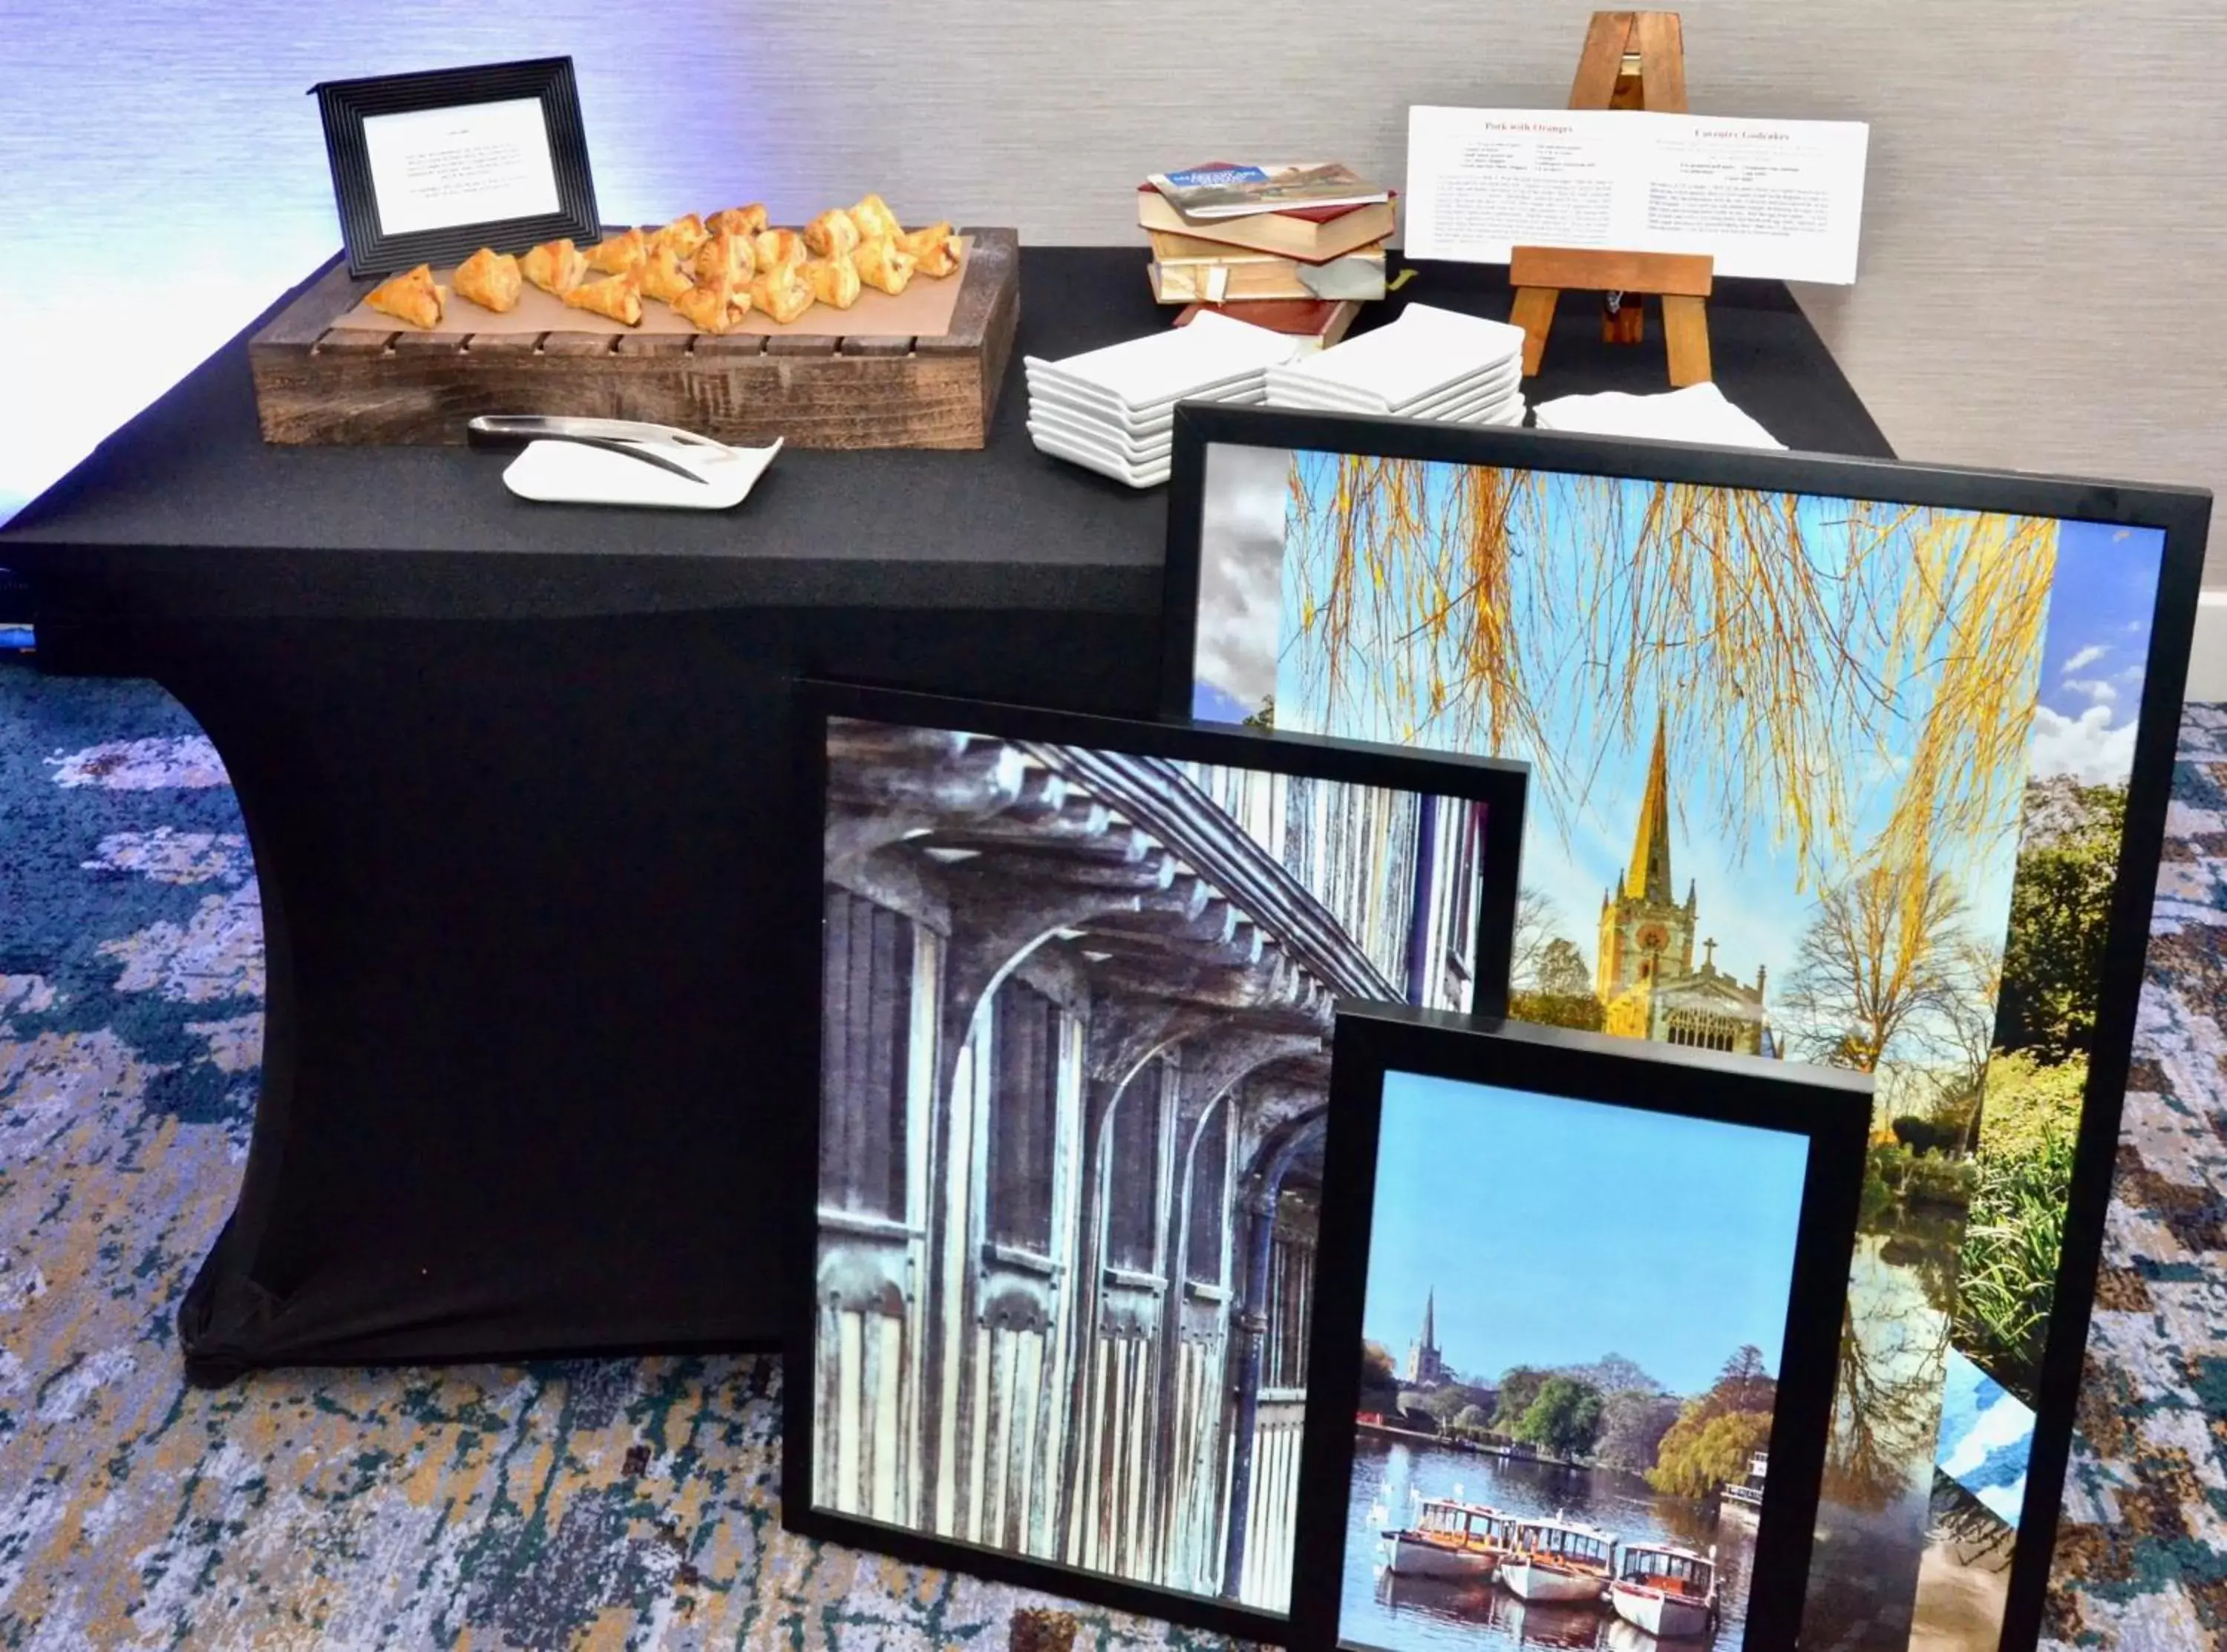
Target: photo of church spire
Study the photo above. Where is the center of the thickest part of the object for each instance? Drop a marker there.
(1426, 1368)
(1645, 977)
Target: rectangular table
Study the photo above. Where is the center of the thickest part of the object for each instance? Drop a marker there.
(512, 775)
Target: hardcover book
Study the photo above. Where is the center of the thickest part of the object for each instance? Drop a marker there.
(1311, 236)
(1222, 190)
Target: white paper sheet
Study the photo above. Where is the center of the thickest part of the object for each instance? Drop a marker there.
(1776, 198)
(473, 163)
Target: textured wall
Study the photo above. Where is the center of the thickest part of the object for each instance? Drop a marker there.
(2041, 260)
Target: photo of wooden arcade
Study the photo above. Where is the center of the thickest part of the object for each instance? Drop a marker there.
(1074, 1061)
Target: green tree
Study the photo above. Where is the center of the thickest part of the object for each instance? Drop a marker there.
(1380, 1385)
(1702, 1453)
(1471, 1419)
(1264, 718)
(1564, 1419)
(1633, 1423)
(1581, 1009)
(2060, 914)
(1745, 1384)
(1518, 1388)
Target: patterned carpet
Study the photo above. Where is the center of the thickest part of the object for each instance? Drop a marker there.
(632, 1504)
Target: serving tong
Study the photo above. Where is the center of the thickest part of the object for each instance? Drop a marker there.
(635, 438)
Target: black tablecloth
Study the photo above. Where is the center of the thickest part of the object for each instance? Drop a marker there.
(515, 776)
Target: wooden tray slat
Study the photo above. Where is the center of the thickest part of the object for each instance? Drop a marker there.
(316, 383)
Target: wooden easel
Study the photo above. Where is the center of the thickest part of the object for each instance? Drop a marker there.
(1632, 60)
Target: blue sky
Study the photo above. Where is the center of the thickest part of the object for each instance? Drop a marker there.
(1557, 1231)
(2092, 658)
(1749, 895)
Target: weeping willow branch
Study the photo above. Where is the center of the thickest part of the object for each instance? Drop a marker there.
(1804, 660)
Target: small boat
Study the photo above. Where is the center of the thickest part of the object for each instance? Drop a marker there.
(1559, 1559)
(1449, 1539)
(1666, 1591)
(1746, 1499)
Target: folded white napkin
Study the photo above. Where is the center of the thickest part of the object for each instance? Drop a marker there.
(1697, 413)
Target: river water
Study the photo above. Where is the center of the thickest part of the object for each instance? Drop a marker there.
(1421, 1615)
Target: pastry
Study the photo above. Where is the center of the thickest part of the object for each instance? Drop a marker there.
(554, 266)
(618, 296)
(739, 221)
(490, 279)
(619, 254)
(782, 291)
(875, 220)
(935, 250)
(774, 247)
(885, 264)
(833, 281)
(683, 235)
(714, 306)
(662, 276)
(727, 253)
(832, 234)
(411, 297)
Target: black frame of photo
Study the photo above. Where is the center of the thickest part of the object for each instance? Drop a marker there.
(1830, 1109)
(343, 105)
(2182, 514)
(1500, 785)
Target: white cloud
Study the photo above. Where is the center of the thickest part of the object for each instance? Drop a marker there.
(2087, 656)
(1241, 593)
(2086, 747)
(2094, 687)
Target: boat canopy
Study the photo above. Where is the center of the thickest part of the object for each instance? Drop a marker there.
(1646, 1564)
(1588, 1543)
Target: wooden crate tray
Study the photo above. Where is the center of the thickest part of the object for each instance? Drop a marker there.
(317, 384)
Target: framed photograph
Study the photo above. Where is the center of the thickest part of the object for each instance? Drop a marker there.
(1575, 1332)
(1848, 763)
(1074, 991)
(428, 167)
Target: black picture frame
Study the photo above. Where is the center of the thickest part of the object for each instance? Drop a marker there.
(2181, 515)
(1499, 786)
(343, 106)
(1830, 1109)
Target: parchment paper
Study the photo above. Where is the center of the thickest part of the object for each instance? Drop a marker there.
(922, 310)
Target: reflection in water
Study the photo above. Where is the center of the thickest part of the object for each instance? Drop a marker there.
(1425, 1615)
(1965, 1582)
(1878, 1470)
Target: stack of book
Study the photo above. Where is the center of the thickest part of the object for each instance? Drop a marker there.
(1305, 245)
(1113, 410)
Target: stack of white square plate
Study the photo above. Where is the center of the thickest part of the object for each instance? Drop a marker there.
(1113, 410)
(1426, 363)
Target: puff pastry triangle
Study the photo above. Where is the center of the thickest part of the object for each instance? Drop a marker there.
(935, 249)
(683, 235)
(832, 234)
(662, 276)
(714, 306)
(619, 254)
(411, 297)
(727, 255)
(618, 296)
(739, 221)
(555, 267)
(884, 264)
(833, 281)
(875, 220)
(490, 279)
(781, 292)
